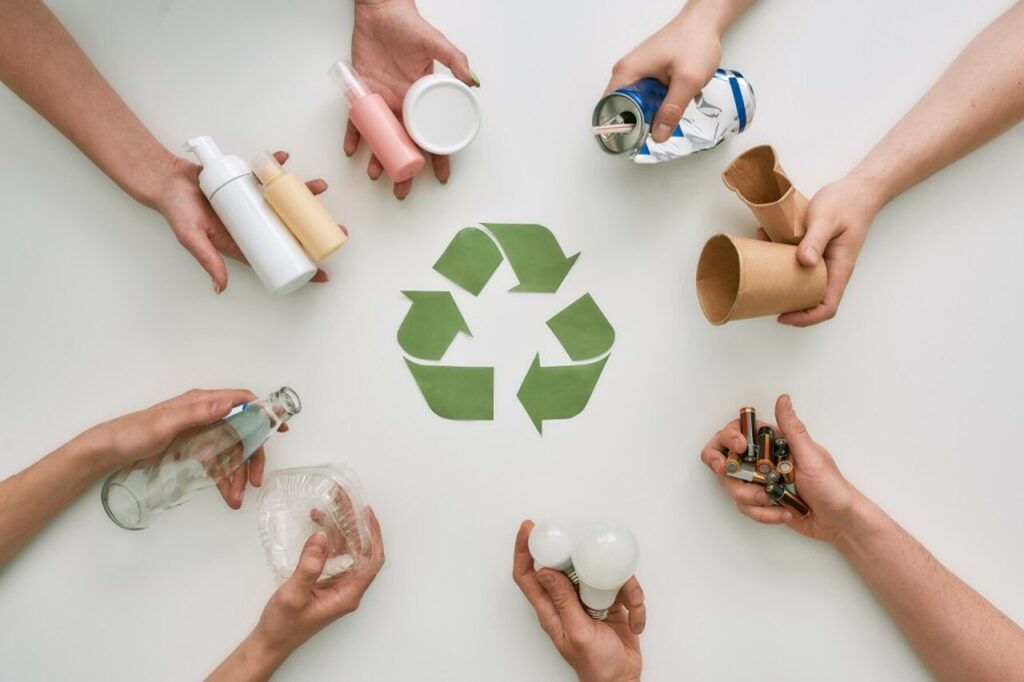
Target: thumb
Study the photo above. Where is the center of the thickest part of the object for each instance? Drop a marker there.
(457, 62)
(563, 596)
(203, 250)
(792, 428)
(311, 561)
(681, 92)
(812, 246)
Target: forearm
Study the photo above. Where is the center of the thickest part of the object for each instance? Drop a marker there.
(31, 498)
(254, 660)
(977, 98)
(718, 13)
(955, 631)
(42, 64)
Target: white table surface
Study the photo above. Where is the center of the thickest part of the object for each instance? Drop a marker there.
(914, 387)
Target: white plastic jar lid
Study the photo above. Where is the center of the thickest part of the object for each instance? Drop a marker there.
(441, 114)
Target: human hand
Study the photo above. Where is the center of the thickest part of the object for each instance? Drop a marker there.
(598, 651)
(301, 607)
(198, 228)
(683, 54)
(838, 219)
(392, 47)
(833, 499)
(138, 436)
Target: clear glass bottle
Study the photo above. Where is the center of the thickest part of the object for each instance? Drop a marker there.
(196, 459)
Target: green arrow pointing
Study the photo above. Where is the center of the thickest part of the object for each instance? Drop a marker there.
(535, 256)
(558, 392)
(431, 324)
(470, 260)
(582, 329)
(456, 392)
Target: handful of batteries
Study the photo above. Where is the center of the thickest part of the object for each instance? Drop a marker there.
(766, 462)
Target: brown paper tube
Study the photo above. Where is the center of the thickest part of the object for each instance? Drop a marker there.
(758, 179)
(740, 278)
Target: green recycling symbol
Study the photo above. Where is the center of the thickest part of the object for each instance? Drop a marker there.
(434, 321)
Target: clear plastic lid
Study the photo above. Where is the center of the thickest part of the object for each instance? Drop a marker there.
(296, 503)
(348, 80)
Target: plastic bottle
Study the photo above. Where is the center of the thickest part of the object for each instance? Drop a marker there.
(306, 217)
(197, 459)
(273, 253)
(377, 124)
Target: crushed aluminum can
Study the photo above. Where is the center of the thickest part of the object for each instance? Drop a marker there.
(724, 108)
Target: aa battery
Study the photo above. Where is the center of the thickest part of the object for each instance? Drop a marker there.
(732, 462)
(787, 471)
(781, 450)
(787, 499)
(748, 427)
(766, 445)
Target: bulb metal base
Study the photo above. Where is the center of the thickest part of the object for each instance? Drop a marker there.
(596, 614)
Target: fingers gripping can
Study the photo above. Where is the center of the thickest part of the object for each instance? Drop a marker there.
(724, 108)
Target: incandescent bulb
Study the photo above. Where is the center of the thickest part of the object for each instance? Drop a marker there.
(604, 558)
(550, 546)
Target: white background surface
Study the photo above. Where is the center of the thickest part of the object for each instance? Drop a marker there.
(914, 387)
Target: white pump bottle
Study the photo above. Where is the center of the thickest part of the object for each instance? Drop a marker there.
(271, 249)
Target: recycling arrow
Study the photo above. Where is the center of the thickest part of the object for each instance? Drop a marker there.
(431, 324)
(582, 329)
(456, 392)
(470, 260)
(535, 256)
(559, 392)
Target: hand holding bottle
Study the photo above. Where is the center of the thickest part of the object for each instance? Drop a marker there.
(198, 228)
(606, 650)
(833, 499)
(393, 46)
(135, 437)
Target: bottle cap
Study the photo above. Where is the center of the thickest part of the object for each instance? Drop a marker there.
(348, 80)
(266, 167)
(218, 169)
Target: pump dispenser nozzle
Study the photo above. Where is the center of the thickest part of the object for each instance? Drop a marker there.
(348, 80)
(205, 149)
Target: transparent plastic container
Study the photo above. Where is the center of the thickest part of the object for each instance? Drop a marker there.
(296, 503)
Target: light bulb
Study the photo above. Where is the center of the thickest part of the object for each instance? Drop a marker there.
(550, 546)
(604, 558)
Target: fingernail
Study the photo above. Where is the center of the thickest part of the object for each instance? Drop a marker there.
(662, 131)
(546, 579)
(344, 229)
(812, 253)
(716, 466)
(400, 198)
(787, 517)
(444, 182)
(637, 628)
(474, 77)
(637, 595)
(216, 287)
(318, 543)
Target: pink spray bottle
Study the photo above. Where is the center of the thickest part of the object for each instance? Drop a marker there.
(378, 125)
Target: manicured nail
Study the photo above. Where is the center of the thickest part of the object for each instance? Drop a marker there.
(474, 77)
(662, 131)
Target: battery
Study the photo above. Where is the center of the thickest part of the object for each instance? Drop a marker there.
(723, 108)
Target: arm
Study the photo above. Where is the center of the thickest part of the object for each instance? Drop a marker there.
(299, 609)
(684, 54)
(33, 497)
(392, 47)
(978, 97)
(599, 651)
(954, 630)
(41, 63)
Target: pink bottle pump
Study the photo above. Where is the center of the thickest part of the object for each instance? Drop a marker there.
(378, 125)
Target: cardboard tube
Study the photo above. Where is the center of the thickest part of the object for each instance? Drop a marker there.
(740, 278)
(758, 179)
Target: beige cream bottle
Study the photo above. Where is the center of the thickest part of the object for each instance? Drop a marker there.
(306, 217)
